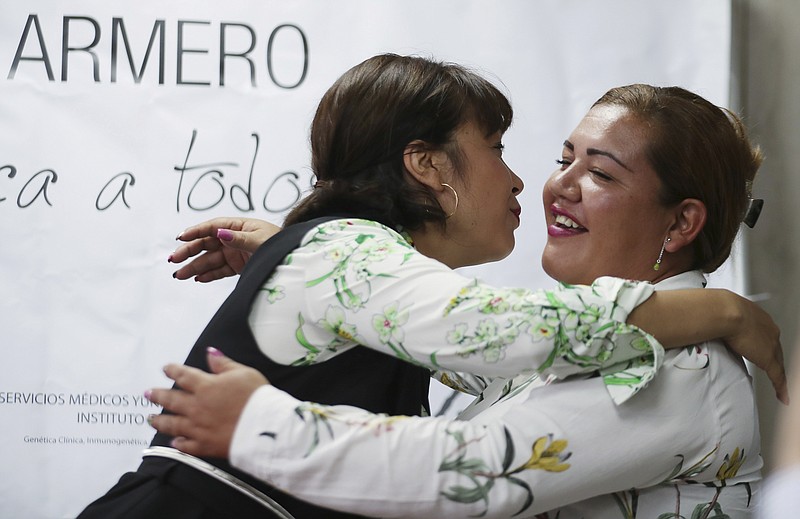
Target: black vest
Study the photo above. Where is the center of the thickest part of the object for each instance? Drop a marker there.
(360, 377)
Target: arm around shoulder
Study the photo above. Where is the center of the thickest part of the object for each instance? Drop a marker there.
(689, 316)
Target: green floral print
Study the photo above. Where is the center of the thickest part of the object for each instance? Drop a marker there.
(546, 454)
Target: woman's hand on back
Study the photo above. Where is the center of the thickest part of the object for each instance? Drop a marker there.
(225, 243)
(757, 338)
(678, 318)
(207, 406)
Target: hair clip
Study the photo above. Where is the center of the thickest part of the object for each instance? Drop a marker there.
(753, 212)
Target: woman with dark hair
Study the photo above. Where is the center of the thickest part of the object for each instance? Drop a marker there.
(652, 185)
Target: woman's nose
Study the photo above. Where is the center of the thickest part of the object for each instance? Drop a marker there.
(517, 185)
(564, 183)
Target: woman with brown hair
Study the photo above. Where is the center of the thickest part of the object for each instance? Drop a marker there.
(652, 186)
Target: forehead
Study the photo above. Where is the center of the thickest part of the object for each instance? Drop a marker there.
(611, 128)
(472, 131)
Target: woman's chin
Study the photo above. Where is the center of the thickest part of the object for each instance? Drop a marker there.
(549, 269)
(563, 274)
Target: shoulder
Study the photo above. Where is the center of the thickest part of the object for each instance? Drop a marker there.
(353, 229)
(364, 248)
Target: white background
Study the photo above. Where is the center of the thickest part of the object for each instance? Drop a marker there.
(89, 311)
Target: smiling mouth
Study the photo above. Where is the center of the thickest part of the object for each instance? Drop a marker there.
(565, 222)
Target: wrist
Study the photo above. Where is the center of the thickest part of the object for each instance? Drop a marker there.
(678, 318)
(732, 313)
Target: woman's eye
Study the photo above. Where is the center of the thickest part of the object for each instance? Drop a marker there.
(601, 175)
(564, 163)
(499, 147)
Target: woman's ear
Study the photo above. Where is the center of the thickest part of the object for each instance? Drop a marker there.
(690, 218)
(424, 165)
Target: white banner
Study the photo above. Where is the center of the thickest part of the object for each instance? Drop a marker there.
(124, 122)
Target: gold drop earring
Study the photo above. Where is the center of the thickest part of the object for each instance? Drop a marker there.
(657, 264)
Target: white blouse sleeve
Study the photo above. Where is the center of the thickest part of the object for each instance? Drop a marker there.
(363, 283)
(562, 445)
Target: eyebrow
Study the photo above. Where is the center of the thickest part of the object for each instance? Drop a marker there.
(595, 151)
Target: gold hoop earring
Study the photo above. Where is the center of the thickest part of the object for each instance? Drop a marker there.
(455, 195)
(661, 254)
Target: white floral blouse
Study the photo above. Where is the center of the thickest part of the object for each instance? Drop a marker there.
(356, 282)
(686, 447)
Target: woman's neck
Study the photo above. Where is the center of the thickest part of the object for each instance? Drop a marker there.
(434, 245)
(677, 263)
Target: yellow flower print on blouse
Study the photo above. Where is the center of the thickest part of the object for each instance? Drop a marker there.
(546, 454)
(549, 457)
(731, 465)
(320, 417)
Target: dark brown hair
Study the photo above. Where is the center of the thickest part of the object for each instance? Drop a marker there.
(698, 150)
(369, 116)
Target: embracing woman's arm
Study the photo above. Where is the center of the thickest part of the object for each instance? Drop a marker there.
(680, 317)
(550, 447)
(675, 318)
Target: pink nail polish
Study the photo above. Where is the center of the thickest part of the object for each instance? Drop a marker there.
(148, 394)
(213, 352)
(224, 234)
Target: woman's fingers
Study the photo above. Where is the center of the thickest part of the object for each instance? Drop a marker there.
(187, 377)
(777, 375)
(209, 228)
(213, 274)
(169, 424)
(173, 400)
(208, 267)
(218, 362)
(193, 248)
(188, 436)
(773, 365)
